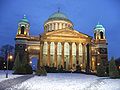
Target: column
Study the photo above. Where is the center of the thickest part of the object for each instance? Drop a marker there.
(40, 61)
(77, 53)
(52, 26)
(83, 59)
(46, 28)
(70, 59)
(49, 27)
(41, 54)
(88, 58)
(48, 54)
(91, 57)
(64, 25)
(60, 25)
(63, 54)
(55, 55)
(56, 26)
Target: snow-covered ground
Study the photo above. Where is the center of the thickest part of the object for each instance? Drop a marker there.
(10, 75)
(69, 81)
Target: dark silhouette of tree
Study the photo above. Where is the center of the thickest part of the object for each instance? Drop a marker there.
(101, 69)
(17, 62)
(113, 71)
(6, 49)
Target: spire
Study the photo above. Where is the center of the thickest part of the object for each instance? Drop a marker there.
(24, 16)
(98, 23)
(58, 9)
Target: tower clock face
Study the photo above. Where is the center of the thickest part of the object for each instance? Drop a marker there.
(103, 50)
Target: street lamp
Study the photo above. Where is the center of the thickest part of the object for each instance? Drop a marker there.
(8, 57)
(30, 62)
(4, 66)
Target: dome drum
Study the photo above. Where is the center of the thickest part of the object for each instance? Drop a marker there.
(57, 24)
(57, 21)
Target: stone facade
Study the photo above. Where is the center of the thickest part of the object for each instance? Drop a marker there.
(61, 45)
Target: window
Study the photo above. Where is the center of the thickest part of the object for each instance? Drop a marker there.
(95, 35)
(22, 29)
(101, 35)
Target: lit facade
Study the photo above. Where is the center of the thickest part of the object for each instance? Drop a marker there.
(62, 46)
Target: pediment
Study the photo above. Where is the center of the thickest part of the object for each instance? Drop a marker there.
(66, 33)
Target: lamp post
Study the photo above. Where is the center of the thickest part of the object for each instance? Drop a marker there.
(7, 65)
(9, 57)
(4, 66)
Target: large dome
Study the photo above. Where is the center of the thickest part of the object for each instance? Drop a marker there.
(58, 15)
(56, 21)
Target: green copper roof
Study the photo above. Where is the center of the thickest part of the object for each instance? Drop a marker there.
(99, 26)
(58, 15)
(24, 19)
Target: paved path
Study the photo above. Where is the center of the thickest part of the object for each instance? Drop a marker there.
(11, 82)
(95, 85)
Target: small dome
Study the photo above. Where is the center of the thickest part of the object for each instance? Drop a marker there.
(24, 19)
(99, 26)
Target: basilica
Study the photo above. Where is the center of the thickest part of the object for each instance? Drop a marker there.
(60, 45)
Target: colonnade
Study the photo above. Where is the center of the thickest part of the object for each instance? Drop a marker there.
(56, 26)
(48, 61)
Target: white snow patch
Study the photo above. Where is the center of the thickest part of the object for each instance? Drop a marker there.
(10, 75)
(68, 81)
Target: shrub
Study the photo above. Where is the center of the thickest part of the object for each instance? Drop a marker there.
(101, 69)
(78, 68)
(113, 71)
(41, 72)
(28, 69)
(23, 69)
(17, 62)
(20, 70)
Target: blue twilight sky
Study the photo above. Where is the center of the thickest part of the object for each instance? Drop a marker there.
(83, 13)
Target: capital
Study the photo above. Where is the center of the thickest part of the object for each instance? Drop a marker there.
(55, 43)
(70, 43)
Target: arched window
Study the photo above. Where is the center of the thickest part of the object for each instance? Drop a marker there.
(95, 35)
(22, 29)
(101, 35)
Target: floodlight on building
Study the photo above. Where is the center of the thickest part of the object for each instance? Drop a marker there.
(98, 64)
(30, 62)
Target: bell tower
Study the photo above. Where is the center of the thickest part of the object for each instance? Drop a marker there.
(21, 39)
(100, 44)
(99, 32)
(23, 27)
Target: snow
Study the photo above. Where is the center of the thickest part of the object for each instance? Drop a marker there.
(68, 81)
(10, 75)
